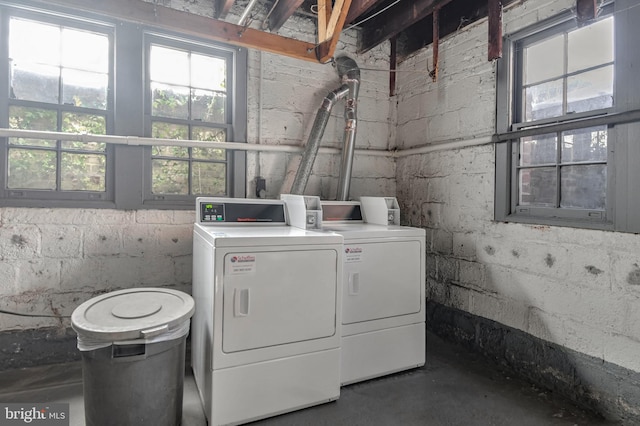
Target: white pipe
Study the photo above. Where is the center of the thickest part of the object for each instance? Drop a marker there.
(444, 145)
(142, 141)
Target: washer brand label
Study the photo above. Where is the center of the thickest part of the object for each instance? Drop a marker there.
(353, 254)
(242, 264)
(45, 414)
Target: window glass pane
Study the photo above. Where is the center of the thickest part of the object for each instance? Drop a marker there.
(208, 106)
(585, 145)
(35, 82)
(84, 89)
(34, 42)
(83, 50)
(169, 66)
(584, 186)
(170, 151)
(543, 100)
(208, 72)
(208, 178)
(83, 123)
(31, 169)
(32, 119)
(170, 177)
(208, 134)
(162, 130)
(591, 45)
(544, 60)
(82, 172)
(537, 187)
(590, 90)
(536, 150)
(169, 101)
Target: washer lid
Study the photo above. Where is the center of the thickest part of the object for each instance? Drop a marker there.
(132, 314)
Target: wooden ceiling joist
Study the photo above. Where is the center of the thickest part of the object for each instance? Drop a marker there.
(327, 46)
(586, 10)
(358, 7)
(154, 15)
(396, 19)
(283, 11)
(223, 7)
(495, 29)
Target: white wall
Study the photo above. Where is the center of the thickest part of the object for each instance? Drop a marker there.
(577, 288)
(51, 260)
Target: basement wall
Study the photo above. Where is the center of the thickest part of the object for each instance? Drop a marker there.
(52, 260)
(569, 291)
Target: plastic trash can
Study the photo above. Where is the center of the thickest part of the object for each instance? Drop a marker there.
(133, 354)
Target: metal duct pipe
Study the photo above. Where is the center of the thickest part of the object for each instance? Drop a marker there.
(313, 143)
(350, 74)
(245, 13)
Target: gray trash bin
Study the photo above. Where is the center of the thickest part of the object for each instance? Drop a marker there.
(133, 354)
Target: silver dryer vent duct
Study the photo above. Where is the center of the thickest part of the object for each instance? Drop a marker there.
(350, 75)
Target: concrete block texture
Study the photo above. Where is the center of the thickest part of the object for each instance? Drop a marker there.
(599, 386)
(49, 269)
(577, 288)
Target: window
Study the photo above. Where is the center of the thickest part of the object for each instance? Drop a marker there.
(89, 75)
(188, 99)
(564, 114)
(58, 82)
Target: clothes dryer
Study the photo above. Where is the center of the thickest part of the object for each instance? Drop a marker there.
(383, 304)
(267, 326)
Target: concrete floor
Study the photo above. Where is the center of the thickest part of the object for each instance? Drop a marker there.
(453, 388)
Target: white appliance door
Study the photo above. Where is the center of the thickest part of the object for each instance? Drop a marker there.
(276, 297)
(382, 280)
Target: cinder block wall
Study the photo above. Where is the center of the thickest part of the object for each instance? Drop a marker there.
(51, 260)
(575, 290)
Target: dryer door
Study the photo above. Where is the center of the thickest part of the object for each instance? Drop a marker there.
(381, 280)
(277, 297)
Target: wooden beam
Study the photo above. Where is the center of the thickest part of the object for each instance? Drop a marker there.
(393, 63)
(358, 7)
(223, 7)
(333, 21)
(157, 16)
(283, 11)
(323, 13)
(586, 10)
(436, 44)
(495, 29)
(326, 49)
(396, 19)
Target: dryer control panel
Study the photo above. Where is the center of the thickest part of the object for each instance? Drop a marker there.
(219, 211)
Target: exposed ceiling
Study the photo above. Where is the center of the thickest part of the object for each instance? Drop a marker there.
(408, 22)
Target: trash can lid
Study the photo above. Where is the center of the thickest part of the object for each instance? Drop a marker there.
(132, 313)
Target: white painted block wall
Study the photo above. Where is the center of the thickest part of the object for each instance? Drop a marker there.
(577, 288)
(51, 260)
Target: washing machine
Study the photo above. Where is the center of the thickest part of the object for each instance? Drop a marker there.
(266, 330)
(383, 303)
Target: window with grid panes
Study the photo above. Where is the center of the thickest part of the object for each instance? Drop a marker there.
(58, 82)
(86, 74)
(189, 100)
(565, 95)
(569, 72)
